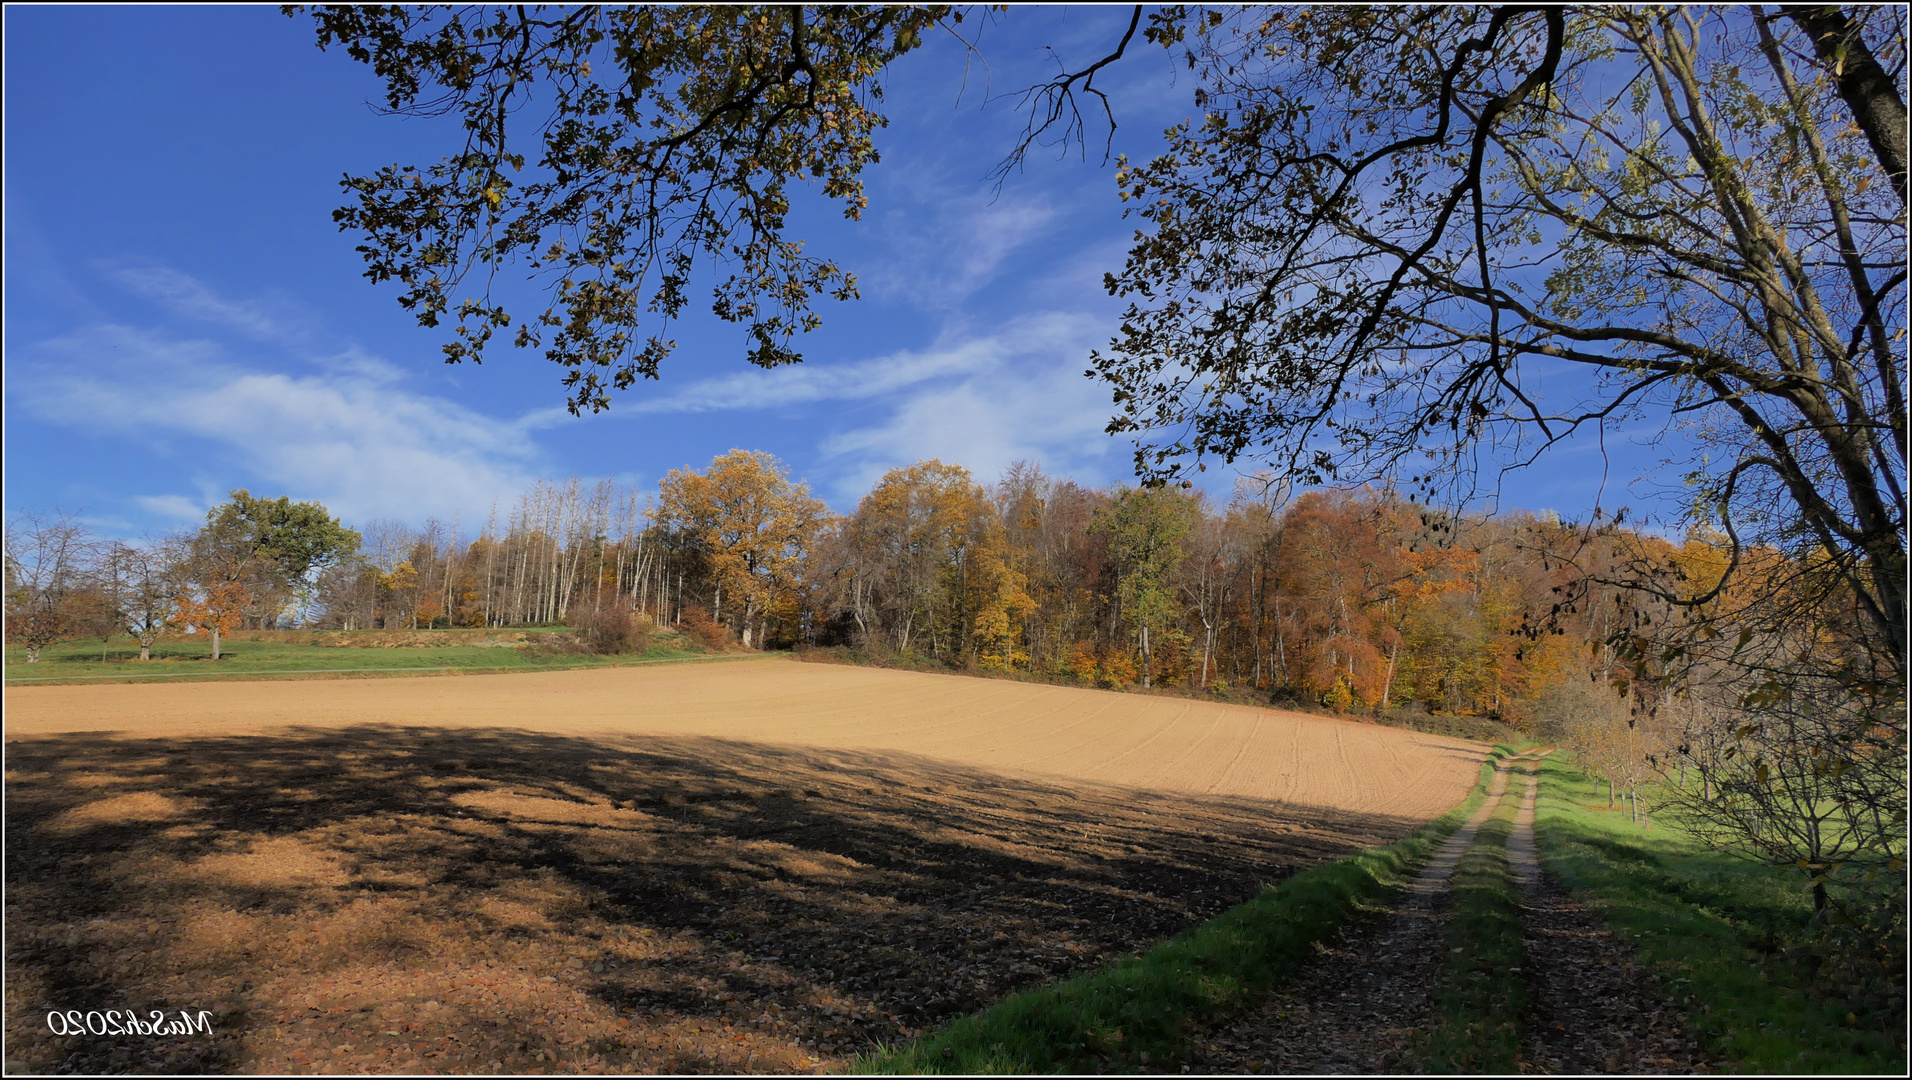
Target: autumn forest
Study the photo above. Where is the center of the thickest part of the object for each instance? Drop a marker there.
(1354, 599)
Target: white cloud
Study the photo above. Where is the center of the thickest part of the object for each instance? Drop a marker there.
(989, 233)
(810, 382)
(351, 437)
(1030, 403)
(982, 402)
(188, 296)
(178, 507)
(970, 235)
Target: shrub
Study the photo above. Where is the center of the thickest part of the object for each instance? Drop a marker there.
(36, 626)
(698, 624)
(1339, 697)
(1081, 663)
(611, 629)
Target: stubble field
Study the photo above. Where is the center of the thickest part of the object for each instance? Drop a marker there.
(755, 865)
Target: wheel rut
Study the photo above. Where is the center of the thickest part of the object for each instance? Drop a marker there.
(1360, 1006)
(1591, 1008)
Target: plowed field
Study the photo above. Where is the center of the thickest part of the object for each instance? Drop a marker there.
(756, 865)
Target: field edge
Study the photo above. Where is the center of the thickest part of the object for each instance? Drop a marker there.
(1141, 1009)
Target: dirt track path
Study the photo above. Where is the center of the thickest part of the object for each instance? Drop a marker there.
(1591, 1009)
(1361, 1004)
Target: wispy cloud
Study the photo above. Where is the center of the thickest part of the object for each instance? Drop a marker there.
(188, 297)
(350, 436)
(813, 382)
(973, 234)
(171, 507)
(1031, 402)
(983, 402)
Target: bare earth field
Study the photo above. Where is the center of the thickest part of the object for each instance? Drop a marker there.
(757, 865)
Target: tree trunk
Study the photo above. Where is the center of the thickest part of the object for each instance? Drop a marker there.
(856, 611)
(1208, 649)
(1865, 86)
(145, 648)
(1254, 627)
(215, 643)
(1281, 647)
(1147, 658)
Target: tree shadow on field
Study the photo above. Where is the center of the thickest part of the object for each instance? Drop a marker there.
(392, 898)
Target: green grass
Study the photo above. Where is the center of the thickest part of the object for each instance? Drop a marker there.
(190, 658)
(1478, 1002)
(1106, 1021)
(1713, 927)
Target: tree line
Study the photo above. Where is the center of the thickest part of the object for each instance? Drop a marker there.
(252, 563)
(1357, 599)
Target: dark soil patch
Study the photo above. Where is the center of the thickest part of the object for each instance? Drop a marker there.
(1592, 1008)
(388, 899)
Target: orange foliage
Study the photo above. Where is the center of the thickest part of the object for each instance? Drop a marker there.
(220, 610)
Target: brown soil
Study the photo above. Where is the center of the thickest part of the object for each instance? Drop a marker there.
(1168, 744)
(755, 866)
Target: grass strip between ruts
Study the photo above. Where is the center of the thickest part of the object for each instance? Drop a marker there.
(1708, 925)
(1143, 1008)
(1482, 995)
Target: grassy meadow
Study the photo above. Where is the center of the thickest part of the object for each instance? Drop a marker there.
(335, 654)
(1715, 928)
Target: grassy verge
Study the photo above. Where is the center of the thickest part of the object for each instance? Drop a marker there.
(1141, 1009)
(1713, 927)
(189, 659)
(1481, 994)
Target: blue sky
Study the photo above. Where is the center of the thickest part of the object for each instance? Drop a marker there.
(182, 318)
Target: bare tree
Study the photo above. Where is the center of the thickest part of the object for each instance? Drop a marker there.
(47, 558)
(149, 583)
